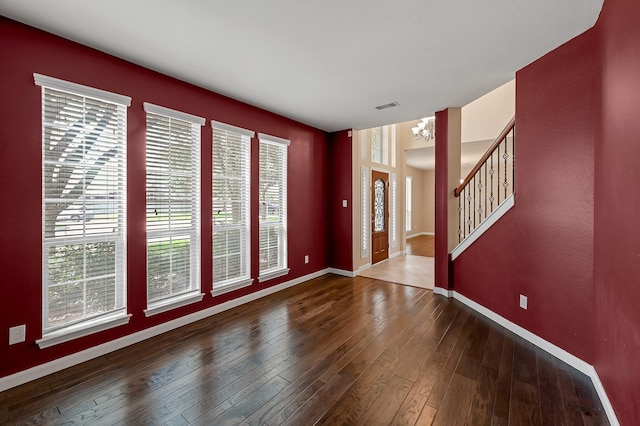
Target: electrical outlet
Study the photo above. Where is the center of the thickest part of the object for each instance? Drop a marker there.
(523, 301)
(306, 259)
(17, 334)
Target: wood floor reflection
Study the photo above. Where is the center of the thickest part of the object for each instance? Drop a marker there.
(333, 350)
(421, 245)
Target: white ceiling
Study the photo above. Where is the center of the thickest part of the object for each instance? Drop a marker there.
(325, 63)
(482, 121)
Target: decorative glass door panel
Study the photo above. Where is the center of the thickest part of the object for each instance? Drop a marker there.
(379, 205)
(379, 216)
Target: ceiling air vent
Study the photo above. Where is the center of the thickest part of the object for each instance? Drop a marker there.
(385, 106)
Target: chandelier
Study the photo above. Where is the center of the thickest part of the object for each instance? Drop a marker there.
(426, 128)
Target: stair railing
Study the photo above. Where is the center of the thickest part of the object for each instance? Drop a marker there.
(488, 184)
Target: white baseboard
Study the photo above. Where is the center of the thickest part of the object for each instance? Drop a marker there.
(543, 344)
(342, 272)
(398, 253)
(604, 399)
(443, 292)
(363, 268)
(50, 367)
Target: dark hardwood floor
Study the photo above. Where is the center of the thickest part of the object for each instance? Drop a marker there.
(421, 245)
(331, 351)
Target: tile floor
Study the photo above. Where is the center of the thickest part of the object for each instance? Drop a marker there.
(416, 271)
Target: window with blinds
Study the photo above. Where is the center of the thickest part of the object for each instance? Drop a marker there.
(83, 209)
(273, 207)
(173, 208)
(231, 162)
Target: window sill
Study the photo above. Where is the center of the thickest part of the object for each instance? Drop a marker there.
(172, 303)
(273, 274)
(228, 287)
(83, 329)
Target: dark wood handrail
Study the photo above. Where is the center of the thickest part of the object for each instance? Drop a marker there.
(486, 155)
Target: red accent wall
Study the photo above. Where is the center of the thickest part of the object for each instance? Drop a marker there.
(442, 273)
(617, 211)
(25, 50)
(572, 243)
(340, 247)
(543, 247)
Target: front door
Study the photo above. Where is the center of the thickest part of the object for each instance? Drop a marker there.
(379, 216)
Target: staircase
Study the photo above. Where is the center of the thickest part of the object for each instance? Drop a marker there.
(487, 192)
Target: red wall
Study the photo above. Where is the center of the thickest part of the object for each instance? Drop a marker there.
(572, 243)
(543, 247)
(340, 247)
(23, 51)
(617, 213)
(442, 275)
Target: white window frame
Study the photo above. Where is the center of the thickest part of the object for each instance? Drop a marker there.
(365, 213)
(393, 201)
(409, 201)
(193, 294)
(377, 152)
(282, 267)
(244, 280)
(118, 316)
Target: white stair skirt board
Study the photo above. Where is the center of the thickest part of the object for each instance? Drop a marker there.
(50, 367)
(543, 344)
(502, 209)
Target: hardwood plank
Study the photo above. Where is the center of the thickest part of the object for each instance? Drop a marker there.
(551, 401)
(493, 351)
(334, 350)
(353, 405)
(315, 407)
(287, 402)
(472, 354)
(456, 402)
(525, 405)
(421, 245)
(430, 368)
(581, 403)
(444, 378)
(389, 400)
(591, 408)
(481, 412)
(426, 418)
(570, 398)
(242, 409)
(503, 392)
(525, 366)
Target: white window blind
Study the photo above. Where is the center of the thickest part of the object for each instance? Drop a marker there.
(173, 208)
(231, 206)
(83, 209)
(273, 207)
